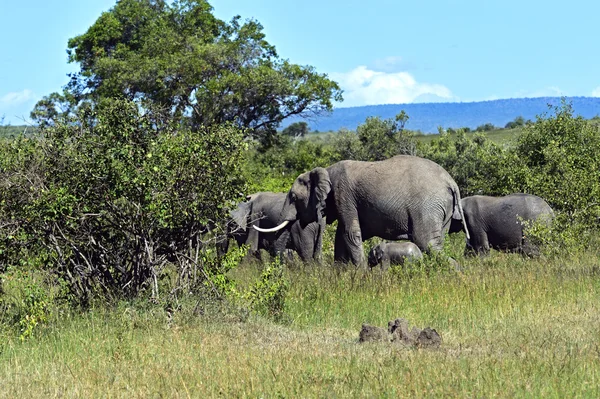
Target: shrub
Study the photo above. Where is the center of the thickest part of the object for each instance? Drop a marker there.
(106, 199)
(267, 296)
(559, 154)
(478, 165)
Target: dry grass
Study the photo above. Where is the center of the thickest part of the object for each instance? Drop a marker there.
(511, 327)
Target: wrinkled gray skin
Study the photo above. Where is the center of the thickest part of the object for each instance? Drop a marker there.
(393, 253)
(404, 197)
(494, 222)
(264, 210)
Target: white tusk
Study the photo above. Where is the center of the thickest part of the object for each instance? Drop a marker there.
(273, 229)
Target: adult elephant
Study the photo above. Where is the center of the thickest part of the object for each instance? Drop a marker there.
(404, 197)
(499, 222)
(263, 210)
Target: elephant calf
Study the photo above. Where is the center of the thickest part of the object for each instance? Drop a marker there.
(499, 222)
(393, 253)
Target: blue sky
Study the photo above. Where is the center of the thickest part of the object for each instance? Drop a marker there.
(380, 51)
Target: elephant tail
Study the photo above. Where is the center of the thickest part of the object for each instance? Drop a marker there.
(457, 211)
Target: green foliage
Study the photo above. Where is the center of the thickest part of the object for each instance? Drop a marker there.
(559, 154)
(26, 302)
(346, 145)
(382, 139)
(478, 165)
(296, 130)
(519, 121)
(274, 169)
(180, 57)
(106, 200)
(217, 271)
(485, 127)
(268, 295)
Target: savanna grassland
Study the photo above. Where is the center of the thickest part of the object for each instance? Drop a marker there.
(113, 210)
(511, 327)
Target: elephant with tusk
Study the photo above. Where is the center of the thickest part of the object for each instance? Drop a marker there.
(401, 197)
(262, 211)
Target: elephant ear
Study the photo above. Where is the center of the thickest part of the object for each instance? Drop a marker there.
(241, 213)
(320, 186)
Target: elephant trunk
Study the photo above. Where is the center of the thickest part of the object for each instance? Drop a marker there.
(273, 229)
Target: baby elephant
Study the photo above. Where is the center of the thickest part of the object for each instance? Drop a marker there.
(393, 253)
(497, 222)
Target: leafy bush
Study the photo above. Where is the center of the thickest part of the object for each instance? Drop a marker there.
(106, 199)
(375, 140)
(26, 303)
(559, 155)
(478, 165)
(486, 127)
(519, 121)
(267, 296)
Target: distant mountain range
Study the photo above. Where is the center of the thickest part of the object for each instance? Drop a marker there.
(426, 117)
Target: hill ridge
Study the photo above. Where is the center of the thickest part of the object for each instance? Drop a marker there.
(426, 117)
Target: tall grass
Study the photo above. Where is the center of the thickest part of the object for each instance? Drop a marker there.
(511, 327)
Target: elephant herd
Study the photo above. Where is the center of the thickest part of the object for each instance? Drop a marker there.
(402, 198)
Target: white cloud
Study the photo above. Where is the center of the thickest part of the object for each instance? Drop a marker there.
(596, 92)
(16, 98)
(363, 86)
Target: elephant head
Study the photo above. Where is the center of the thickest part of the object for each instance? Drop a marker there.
(238, 227)
(376, 255)
(306, 200)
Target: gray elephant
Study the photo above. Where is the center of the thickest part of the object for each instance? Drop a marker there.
(263, 209)
(393, 253)
(497, 222)
(404, 197)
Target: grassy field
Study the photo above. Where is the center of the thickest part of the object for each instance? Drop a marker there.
(499, 136)
(511, 327)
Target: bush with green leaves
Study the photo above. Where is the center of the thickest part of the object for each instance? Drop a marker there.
(268, 295)
(478, 165)
(486, 127)
(105, 200)
(276, 168)
(560, 156)
(383, 138)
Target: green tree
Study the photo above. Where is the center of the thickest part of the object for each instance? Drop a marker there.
(560, 154)
(519, 121)
(384, 138)
(103, 206)
(296, 129)
(485, 127)
(478, 165)
(204, 71)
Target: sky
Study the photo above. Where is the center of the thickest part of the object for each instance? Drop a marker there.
(379, 51)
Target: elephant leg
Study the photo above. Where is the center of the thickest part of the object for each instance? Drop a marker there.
(428, 235)
(348, 243)
(529, 249)
(252, 240)
(318, 247)
(340, 251)
(480, 243)
(280, 244)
